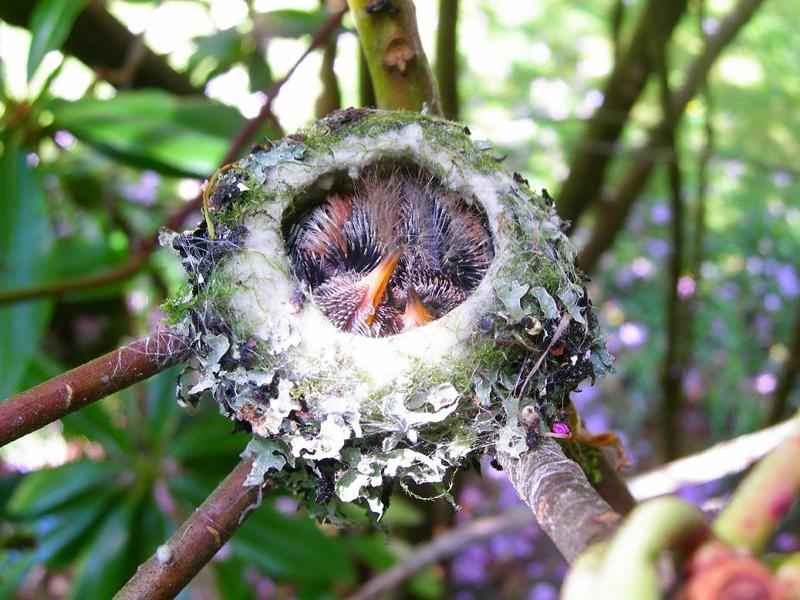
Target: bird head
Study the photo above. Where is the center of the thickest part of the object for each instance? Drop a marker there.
(395, 253)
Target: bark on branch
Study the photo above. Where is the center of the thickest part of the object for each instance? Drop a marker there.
(398, 67)
(564, 503)
(75, 389)
(191, 547)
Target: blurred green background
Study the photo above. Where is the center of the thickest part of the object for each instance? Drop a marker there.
(103, 142)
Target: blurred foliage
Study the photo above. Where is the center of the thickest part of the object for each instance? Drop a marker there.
(87, 171)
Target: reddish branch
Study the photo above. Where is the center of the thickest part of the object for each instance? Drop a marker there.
(615, 212)
(144, 247)
(75, 389)
(627, 80)
(182, 556)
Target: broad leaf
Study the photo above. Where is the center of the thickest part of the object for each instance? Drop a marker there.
(25, 259)
(291, 547)
(51, 23)
(47, 489)
(174, 135)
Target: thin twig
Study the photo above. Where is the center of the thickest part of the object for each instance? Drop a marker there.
(788, 376)
(447, 58)
(672, 368)
(191, 547)
(443, 547)
(75, 389)
(144, 247)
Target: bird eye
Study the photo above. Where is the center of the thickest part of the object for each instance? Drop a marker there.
(389, 251)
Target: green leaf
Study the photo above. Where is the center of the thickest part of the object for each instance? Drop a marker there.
(163, 412)
(291, 548)
(51, 23)
(25, 259)
(215, 54)
(94, 423)
(44, 490)
(292, 23)
(231, 577)
(174, 135)
(107, 564)
(58, 533)
(207, 436)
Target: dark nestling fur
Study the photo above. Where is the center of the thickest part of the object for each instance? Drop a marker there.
(443, 244)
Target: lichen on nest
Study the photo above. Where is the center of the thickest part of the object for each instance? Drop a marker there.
(340, 416)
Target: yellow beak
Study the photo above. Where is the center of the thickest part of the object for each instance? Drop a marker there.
(416, 314)
(376, 282)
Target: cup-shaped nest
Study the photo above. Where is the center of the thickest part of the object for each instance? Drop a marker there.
(381, 301)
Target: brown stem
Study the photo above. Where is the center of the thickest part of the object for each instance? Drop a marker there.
(625, 84)
(614, 213)
(441, 548)
(330, 98)
(366, 93)
(780, 401)
(447, 58)
(75, 389)
(192, 546)
(672, 369)
(145, 246)
(400, 73)
(101, 42)
(566, 506)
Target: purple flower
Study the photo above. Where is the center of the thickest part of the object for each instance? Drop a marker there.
(660, 214)
(561, 428)
(765, 383)
(788, 282)
(633, 335)
(543, 591)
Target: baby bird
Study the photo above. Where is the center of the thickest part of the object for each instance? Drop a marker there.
(395, 254)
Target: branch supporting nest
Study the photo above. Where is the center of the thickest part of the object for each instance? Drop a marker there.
(567, 507)
(75, 389)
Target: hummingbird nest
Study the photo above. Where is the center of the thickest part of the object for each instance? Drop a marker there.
(380, 301)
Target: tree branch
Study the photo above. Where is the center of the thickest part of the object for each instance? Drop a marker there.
(441, 548)
(100, 41)
(623, 87)
(398, 67)
(614, 213)
(75, 389)
(780, 401)
(566, 506)
(672, 367)
(447, 58)
(718, 461)
(191, 547)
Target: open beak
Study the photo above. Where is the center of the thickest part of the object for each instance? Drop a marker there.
(416, 314)
(376, 281)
